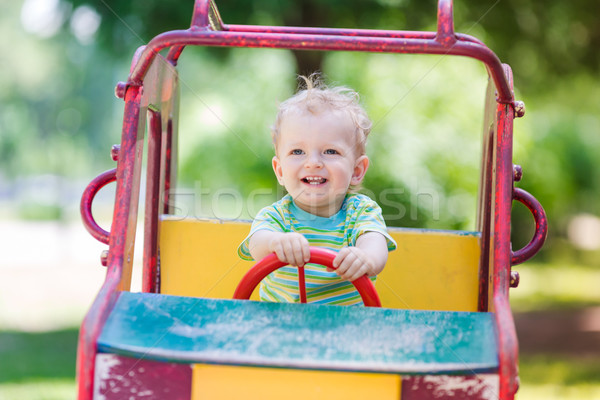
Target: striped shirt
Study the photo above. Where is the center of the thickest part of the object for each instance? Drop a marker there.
(358, 214)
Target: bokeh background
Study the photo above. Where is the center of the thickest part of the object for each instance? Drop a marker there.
(61, 60)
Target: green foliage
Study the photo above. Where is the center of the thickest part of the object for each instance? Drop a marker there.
(43, 355)
(559, 371)
(58, 114)
(557, 285)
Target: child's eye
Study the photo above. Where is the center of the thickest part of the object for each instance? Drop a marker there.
(296, 152)
(331, 151)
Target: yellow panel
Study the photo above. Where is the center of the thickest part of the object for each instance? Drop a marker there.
(430, 270)
(214, 382)
(199, 258)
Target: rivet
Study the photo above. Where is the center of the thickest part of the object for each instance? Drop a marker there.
(514, 279)
(519, 108)
(517, 172)
(114, 151)
(120, 90)
(104, 257)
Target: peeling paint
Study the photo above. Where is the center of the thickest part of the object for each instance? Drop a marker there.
(428, 387)
(118, 377)
(105, 363)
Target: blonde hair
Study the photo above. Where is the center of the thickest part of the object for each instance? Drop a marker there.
(314, 96)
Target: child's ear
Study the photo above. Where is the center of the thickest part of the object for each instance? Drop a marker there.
(360, 169)
(277, 169)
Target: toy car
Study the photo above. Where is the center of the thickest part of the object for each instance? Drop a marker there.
(440, 323)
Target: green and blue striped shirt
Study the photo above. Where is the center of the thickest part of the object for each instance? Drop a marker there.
(358, 214)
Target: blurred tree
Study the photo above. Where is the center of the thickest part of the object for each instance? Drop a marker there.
(541, 40)
(58, 113)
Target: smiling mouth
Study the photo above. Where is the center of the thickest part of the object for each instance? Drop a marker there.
(314, 180)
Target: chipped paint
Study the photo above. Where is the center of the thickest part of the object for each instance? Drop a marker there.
(441, 387)
(482, 387)
(105, 363)
(119, 377)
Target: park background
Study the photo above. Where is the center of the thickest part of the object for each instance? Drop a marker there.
(61, 60)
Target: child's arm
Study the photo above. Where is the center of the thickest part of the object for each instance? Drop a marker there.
(367, 257)
(290, 247)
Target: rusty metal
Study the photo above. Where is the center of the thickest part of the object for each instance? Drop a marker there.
(443, 42)
(445, 27)
(85, 206)
(120, 244)
(170, 168)
(541, 227)
(485, 205)
(500, 246)
(152, 207)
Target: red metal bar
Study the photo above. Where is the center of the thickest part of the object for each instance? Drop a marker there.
(485, 225)
(87, 199)
(541, 227)
(152, 207)
(397, 34)
(121, 242)
(445, 23)
(321, 42)
(484, 217)
(507, 336)
(205, 16)
(302, 285)
(170, 168)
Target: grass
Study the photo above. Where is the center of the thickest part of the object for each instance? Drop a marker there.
(552, 377)
(39, 389)
(37, 355)
(38, 365)
(559, 286)
(556, 286)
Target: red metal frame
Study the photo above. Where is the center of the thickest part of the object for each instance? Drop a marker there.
(213, 32)
(207, 29)
(121, 242)
(153, 189)
(501, 249)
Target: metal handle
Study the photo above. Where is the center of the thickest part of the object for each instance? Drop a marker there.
(541, 227)
(86, 204)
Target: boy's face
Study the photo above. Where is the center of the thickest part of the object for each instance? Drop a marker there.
(317, 160)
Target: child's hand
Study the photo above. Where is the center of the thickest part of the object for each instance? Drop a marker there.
(291, 248)
(354, 262)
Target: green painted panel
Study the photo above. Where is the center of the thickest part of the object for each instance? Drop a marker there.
(187, 329)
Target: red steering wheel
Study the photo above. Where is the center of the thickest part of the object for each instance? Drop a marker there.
(271, 263)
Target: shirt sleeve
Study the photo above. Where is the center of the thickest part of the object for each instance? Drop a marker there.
(369, 219)
(269, 218)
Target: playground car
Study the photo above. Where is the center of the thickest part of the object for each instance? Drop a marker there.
(440, 323)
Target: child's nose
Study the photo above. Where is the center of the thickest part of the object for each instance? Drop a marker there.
(313, 161)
